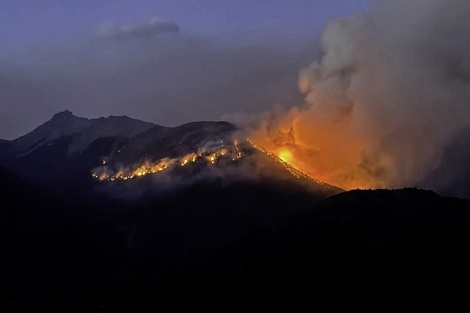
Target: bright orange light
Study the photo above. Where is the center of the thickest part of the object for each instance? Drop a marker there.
(212, 156)
(286, 156)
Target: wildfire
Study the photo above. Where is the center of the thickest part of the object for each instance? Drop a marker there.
(331, 148)
(205, 155)
(284, 157)
(208, 156)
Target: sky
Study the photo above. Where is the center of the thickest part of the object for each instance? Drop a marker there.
(165, 61)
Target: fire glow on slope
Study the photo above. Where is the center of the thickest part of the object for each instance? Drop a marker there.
(286, 156)
(204, 155)
(212, 156)
(332, 157)
(282, 158)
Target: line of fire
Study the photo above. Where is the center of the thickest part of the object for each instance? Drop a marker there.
(233, 151)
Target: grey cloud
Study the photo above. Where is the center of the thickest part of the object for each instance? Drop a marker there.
(145, 30)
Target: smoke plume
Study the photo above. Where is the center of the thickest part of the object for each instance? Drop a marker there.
(387, 96)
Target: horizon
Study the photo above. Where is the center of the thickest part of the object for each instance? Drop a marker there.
(67, 111)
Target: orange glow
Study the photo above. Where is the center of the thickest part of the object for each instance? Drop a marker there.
(322, 152)
(211, 156)
(286, 156)
(291, 169)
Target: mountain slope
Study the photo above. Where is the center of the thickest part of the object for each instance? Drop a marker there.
(57, 248)
(60, 125)
(67, 149)
(83, 131)
(233, 247)
(160, 142)
(52, 153)
(363, 251)
(113, 126)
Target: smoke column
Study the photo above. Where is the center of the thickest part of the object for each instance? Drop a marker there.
(388, 94)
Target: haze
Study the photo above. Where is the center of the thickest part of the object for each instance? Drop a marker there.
(167, 61)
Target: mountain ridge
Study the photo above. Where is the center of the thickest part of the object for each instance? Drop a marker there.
(67, 149)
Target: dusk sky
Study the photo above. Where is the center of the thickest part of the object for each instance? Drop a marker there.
(226, 57)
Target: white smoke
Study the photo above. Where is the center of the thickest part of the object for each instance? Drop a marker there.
(387, 96)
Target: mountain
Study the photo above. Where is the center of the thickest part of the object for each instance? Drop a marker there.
(64, 152)
(361, 251)
(60, 125)
(83, 131)
(52, 154)
(243, 245)
(112, 126)
(59, 247)
(118, 215)
(160, 142)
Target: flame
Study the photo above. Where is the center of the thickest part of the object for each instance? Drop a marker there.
(294, 171)
(286, 156)
(209, 156)
(329, 156)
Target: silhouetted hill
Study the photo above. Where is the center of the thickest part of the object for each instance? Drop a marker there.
(361, 251)
(59, 248)
(230, 247)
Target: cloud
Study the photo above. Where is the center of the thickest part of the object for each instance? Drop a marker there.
(145, 30)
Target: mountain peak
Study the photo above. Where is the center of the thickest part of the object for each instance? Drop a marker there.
(63, 115)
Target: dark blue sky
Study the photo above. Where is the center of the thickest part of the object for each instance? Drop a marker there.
(229, 56)
(30, 22)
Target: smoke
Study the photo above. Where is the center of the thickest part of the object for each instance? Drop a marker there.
(387, 96)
